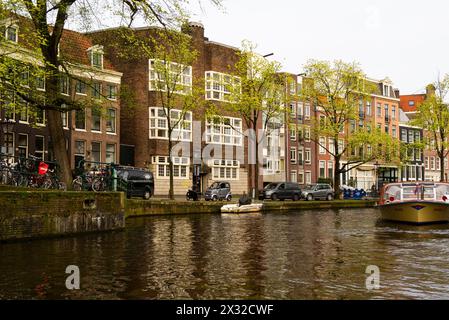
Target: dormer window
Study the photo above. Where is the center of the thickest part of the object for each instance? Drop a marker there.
(12, 33)
(96, 56)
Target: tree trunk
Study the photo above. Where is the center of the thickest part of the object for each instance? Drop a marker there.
(337, 172)
(171, 193)
(442, 177)
(59, 146)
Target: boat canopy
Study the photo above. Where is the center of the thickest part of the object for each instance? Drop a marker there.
(415, 191)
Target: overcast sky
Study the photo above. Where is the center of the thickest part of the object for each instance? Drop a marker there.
(405, 40)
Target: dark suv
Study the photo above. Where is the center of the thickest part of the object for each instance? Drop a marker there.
(137, 182)
(281, 191)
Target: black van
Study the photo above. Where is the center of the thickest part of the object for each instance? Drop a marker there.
(137, 182)
(281, 191)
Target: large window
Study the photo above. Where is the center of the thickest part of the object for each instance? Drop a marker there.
(110, 153)
(80, 151)
(180, 167)
(80, 87)
(22, 145)
(12, 33)
(322, 145)
(170, 75)
(293, 155)
(96, 152)
(39, 147)
(225, 130)
(8, 143)
(294, 176)
(225, 169)
(96, 57)
(111, 121)
(308, 156)
(322, 165)
(111, 92)
(96, 119)
(330, 169)
(96, 90)
(220, 86)
(182, 128)
(64, 84)
(80, 119)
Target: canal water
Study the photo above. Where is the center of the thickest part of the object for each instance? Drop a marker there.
(306, 255)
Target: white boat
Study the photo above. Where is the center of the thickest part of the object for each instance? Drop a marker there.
(235, 208)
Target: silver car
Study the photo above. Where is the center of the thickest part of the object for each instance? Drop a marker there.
(218, 191)
(319, 191)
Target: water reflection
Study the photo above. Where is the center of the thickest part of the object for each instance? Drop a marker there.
(307, 255)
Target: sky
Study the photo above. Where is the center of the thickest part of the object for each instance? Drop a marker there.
(406, 41)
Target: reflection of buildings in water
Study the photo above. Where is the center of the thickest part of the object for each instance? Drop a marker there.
(171, 266)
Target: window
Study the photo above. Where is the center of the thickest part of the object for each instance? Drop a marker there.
(40, 117)
(403, 135)
(411, 103)
(111, 121)
(368, 109)
(322, 145)
(432, 163)
(352, 126)
(8, 143)
(300, 110)
(23, 116)
(180, 167)
(40, 83)
(64, 84)
(96, 119)
(96, 90)
(111, 92)
(438, 163)
(322, 166)
(225, 169)
(182, 129)
(307, 133)
(394, 132)
(307, 111)
(331, 145)
(220, 86)
(293, 155)
(96, 152)
(80, 119)
(96, 56)
(387, 129)
(301, 177)
(80, 152)
(226, 131)
(110, 153)
(393, 112)
(80, 87)
(23, 145)
(330, 169)
(379, 110)
(300, 156)
(25, 77)
(411, 137)
(293, 176)
(308, 156)
(39, 147)
(292, 107)
(426, 163)
(293, 134)
(417, 136)
(387, 110)
(11, 33)
(170, 75)
(308, 177)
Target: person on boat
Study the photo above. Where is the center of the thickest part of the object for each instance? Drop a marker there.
(244, 200)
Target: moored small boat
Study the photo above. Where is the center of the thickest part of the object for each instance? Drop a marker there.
(235, 208)
(417, 203)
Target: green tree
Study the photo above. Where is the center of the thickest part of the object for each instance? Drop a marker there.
(336, 89)
(259, 99)
(45, 25)
(433, 118)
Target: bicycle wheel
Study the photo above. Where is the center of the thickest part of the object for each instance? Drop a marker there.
(97, 184)
(77, 184)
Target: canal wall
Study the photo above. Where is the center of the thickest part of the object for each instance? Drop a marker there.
(38, 214)
(138, 208)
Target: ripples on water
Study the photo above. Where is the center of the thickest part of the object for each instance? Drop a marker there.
(307, 255)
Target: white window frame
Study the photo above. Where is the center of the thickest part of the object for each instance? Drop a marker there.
(96, 50)
(218, 133)
(161, 162)
(16, 28)
(322, 149)
(308, 177)
(182, 129)
(230, 168)
(293, 155)
(308, 156)
(216, 83)
(322, 165)
(294, 176)
(185, 81)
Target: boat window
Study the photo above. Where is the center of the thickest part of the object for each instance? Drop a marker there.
(442, 190)
(411, 192)
(429, 193)
(393, 191)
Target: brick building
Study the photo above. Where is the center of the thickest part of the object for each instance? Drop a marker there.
(90, 135)
(144, 130)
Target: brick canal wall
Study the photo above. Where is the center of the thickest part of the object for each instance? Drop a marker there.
(37, 214)
(136, 208)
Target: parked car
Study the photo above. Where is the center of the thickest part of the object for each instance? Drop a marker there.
(137, 182)
(220, 190)
(281, 191)
(319, 191)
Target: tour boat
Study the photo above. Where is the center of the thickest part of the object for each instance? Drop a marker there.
(235, 208)
(417, 203)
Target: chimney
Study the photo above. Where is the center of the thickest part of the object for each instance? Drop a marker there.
(195, 29)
